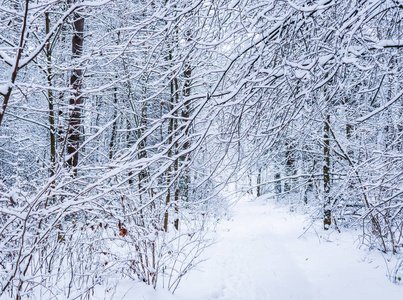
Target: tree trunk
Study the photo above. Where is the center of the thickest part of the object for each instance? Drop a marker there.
(112, 141)
(277, 188)
(327, 216)
(258, 182)
(51, 114)
(15, 67)
(185, 178)
(171, 128)
(73, 137)
(289, 166)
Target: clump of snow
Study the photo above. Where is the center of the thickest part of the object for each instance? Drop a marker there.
(4, 88)
(389, 43)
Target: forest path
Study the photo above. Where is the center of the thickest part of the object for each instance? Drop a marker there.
(252, 260)
(260, 257)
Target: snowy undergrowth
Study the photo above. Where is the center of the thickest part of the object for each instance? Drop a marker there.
(267, 252)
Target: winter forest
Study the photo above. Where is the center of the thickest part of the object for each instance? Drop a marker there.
(125, 123)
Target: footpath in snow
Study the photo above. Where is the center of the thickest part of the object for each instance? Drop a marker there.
(261, 256)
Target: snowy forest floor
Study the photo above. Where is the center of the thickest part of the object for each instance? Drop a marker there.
(263, 253)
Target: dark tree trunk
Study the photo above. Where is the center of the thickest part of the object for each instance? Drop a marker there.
(73, 138)
(327, 216)
(277, 178)
(258, 182)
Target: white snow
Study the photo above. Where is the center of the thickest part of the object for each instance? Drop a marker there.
(389, 43)
(349, 60)
(261, 255)
(4, 89)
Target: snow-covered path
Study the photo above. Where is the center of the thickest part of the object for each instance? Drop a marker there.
(250, 262)
(260, 257)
